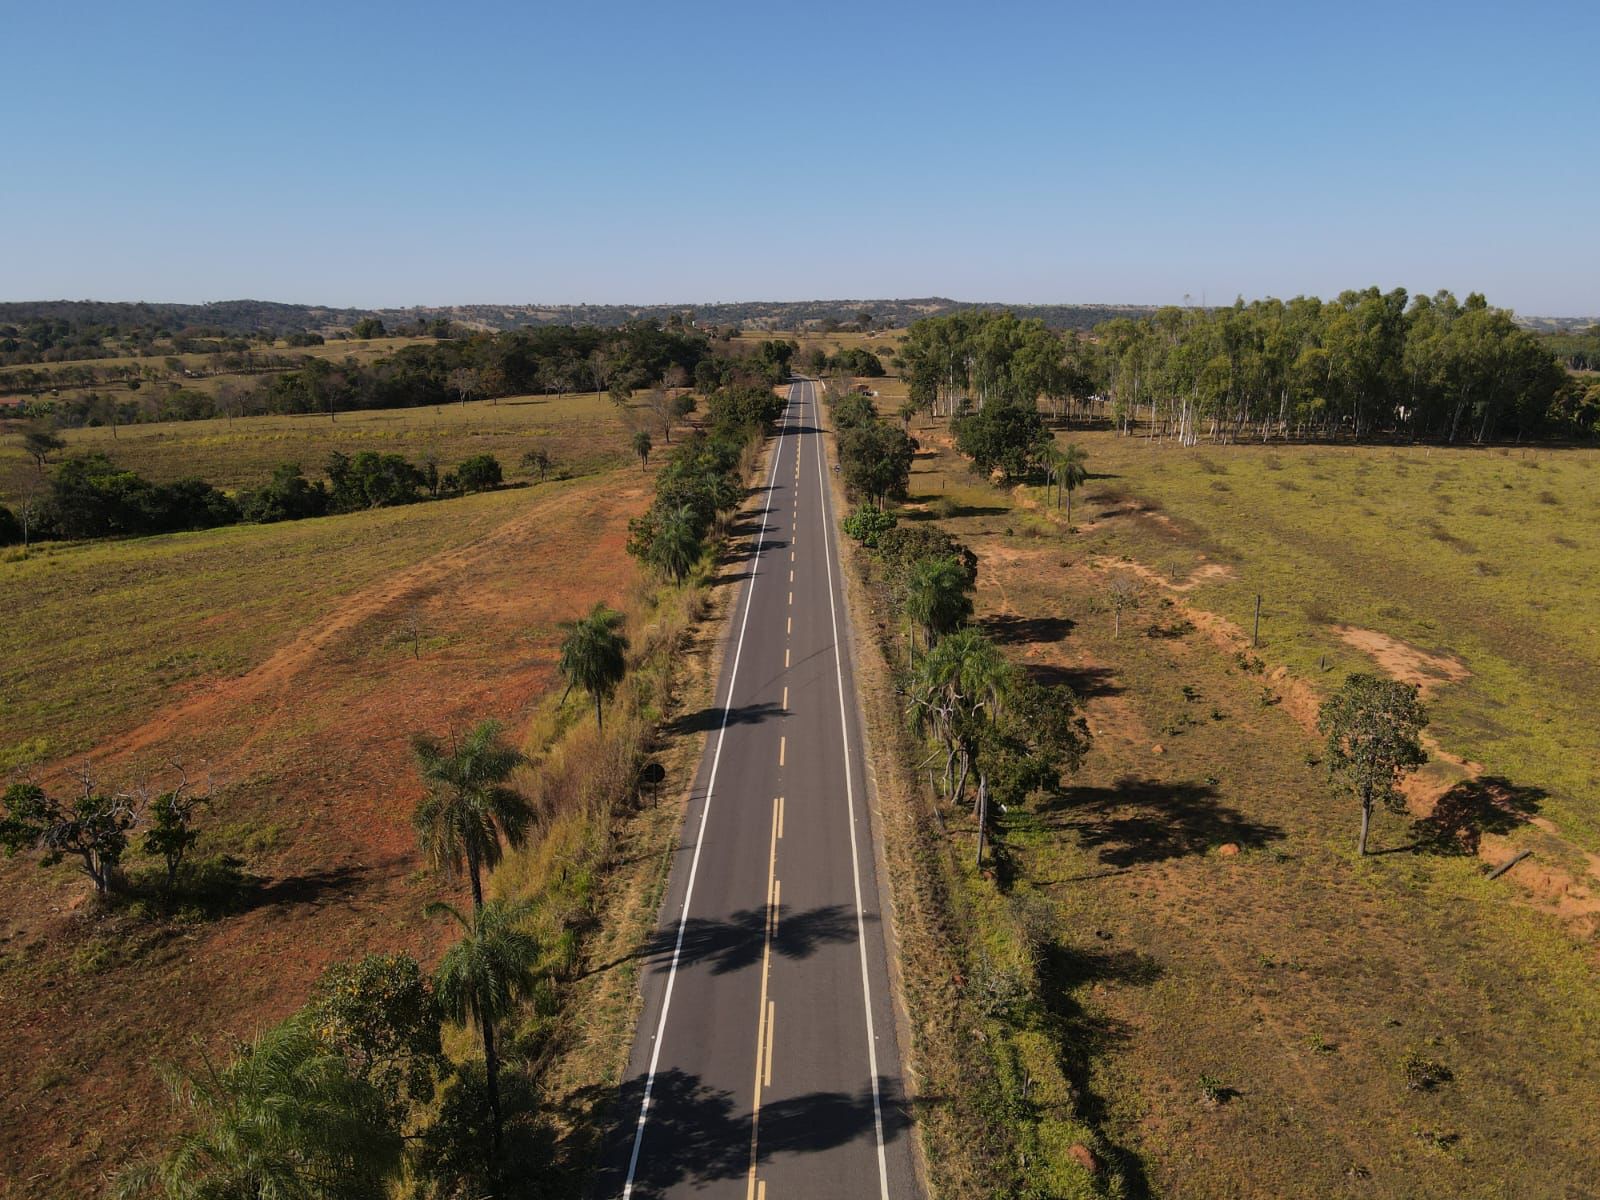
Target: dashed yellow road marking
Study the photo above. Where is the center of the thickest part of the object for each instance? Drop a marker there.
(788, 626)
(766, 1007)
(791, 597)
(782, 745)
(785, 705)
(786, 659)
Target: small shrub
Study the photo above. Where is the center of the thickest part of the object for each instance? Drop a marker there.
(1423, 1074)
(1214, 1092)
(997, 991)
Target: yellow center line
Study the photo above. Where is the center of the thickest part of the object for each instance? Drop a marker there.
(765, 1007)
(789, 625)
(791, 597)
(791, 576)
(785, 705)
(783, 743)
(786, 658)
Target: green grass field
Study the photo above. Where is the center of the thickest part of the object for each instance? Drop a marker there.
(1214, 928)
(1487, 555)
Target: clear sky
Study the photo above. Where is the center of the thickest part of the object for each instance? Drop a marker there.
(399, 153)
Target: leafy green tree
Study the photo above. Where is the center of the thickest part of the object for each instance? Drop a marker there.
(867, 524)
(1374, 730)
(381, 1016)
(594, 656)
(40, 444)
(938, 597)
(481, 977)
(172, 833)
(368, 327)
(1002, 436)
(93, 828)
(479, 473)
(288, 496)
(470, 807)
(371, 480)
(641, 447)
(11, 531)
(538, 463)
(285, 1120)
(875, 460)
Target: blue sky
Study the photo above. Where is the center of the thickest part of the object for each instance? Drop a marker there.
(402, 153)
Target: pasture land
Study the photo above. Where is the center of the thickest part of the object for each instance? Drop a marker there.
(289, 665)
(1245, 1007)
(582, 433)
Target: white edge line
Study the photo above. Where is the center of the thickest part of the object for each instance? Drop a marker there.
(694, 863)
(850, 797)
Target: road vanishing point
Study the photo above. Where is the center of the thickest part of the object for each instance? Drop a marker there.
(765, 1065)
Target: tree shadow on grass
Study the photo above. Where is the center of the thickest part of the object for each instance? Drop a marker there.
(1087, 683)
(1082, 1037)
(1472, 808)
(1014, 630)
(1151, 820)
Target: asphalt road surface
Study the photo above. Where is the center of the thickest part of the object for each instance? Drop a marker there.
(765, 1065)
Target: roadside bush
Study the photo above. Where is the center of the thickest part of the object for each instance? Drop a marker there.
(866, 524)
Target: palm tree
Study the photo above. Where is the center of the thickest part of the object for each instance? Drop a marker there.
(594, 655)
(641, 447)
(961, 685)
(286, 1118)
(1071, 473)
(937, 596)
(481, 977)
(676, 546)
(469, 807)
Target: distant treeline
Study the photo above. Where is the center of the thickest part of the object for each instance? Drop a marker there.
(90, 496)
(643, 354)
(63, 330)
(1366, 364)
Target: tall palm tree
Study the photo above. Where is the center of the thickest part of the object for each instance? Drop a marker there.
(470, 808)
(937, 596)
(960, 687)
(286, 1119)
(1071, 473)
(677, 545)
(594, 655)
(482, 976)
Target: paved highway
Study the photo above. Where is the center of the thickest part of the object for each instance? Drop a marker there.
(765, 1065)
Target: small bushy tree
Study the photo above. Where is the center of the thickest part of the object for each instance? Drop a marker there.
(1374, 730)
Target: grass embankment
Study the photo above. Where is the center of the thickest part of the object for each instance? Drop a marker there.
(1233, 995)
(581, 432)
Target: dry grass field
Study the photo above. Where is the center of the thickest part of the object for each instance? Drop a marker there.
(289, 665)
(1236, 995)
(581, 432)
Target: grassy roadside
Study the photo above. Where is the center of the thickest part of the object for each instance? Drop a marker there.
(996, 1111)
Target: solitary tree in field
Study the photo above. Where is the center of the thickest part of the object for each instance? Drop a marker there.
(1070, 473)
(465, 383)
(1122, 593)
(641, 447)
(594, 656)
(40, 444)
(481, 977)
(538, 463)
(470, 807)
(1374, 728)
